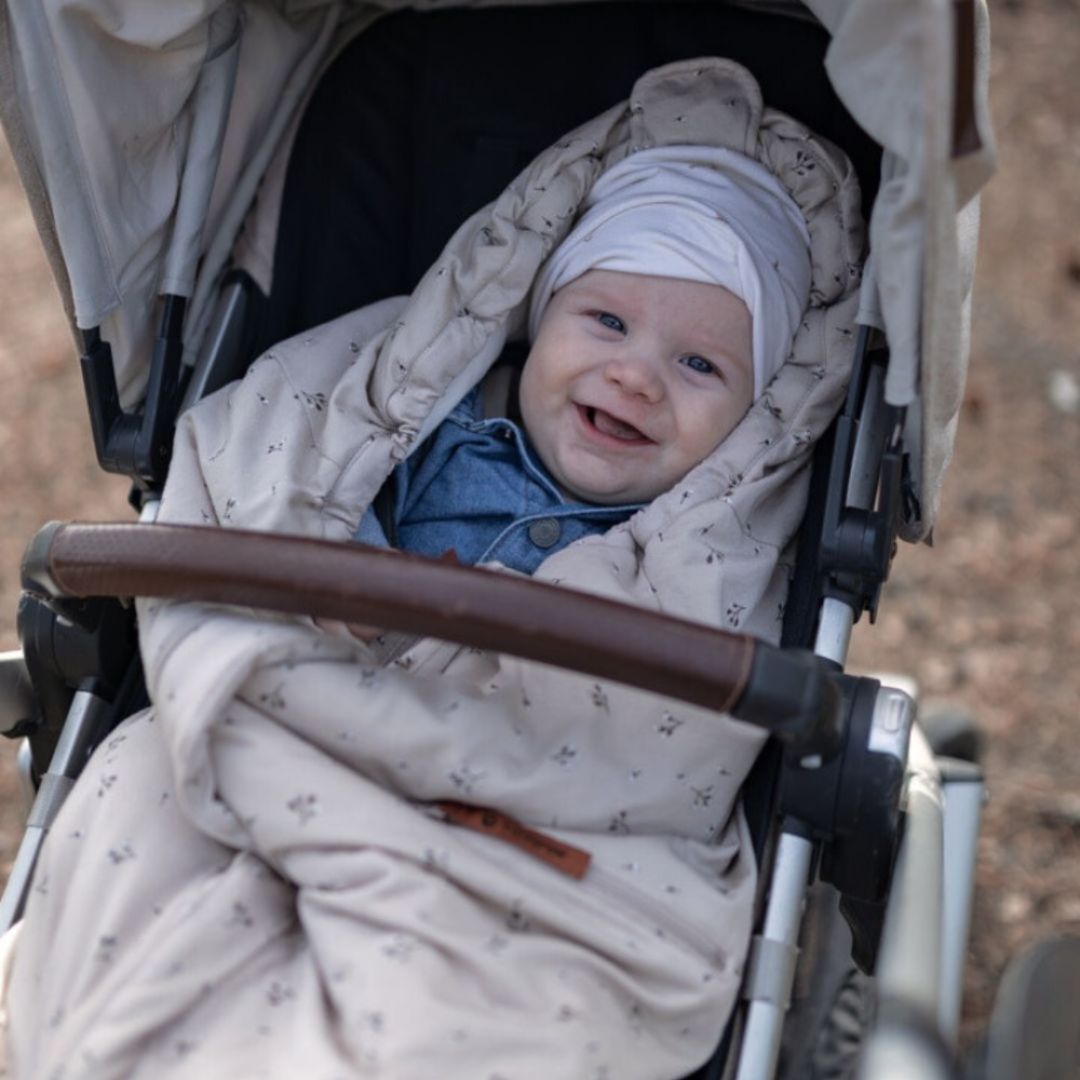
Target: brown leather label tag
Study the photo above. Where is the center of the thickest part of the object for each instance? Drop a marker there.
(569, 860)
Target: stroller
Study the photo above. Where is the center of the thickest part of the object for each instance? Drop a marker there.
(832, 797)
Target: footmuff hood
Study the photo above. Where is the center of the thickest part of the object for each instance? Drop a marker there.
(274, 810)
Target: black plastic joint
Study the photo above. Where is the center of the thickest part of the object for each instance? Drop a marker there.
(794, 695)
(138, 443)
(36, 569)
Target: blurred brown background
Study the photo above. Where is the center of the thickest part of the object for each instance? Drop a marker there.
(987, 619)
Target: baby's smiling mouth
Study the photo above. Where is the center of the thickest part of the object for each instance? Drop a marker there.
(612, 426)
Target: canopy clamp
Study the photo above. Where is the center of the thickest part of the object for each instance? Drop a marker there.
(136, 444)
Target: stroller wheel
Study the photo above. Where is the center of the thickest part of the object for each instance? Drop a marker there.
(1033, 1030)
(835, 1054)
(833, 1002)
(951, 731)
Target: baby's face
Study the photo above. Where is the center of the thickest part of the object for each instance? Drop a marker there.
(633, 380)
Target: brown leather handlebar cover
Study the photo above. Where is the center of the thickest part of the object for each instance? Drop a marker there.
(358, 584)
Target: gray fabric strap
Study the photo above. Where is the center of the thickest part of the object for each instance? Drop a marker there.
(770, 972)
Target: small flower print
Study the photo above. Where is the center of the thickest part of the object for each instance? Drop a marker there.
(516, 920)
(465, 778)
(241, 916)
(564, 755)
(279, 993)
(272, 699)
(305, 807)
(106, 947)
(316, 401)
(702, 796)
(400, 947)
(121, 854)
(771, 407)
(669, 724)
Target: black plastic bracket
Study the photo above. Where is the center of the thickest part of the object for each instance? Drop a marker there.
(795, 696)
(136, 444)
(851, 803)
(93, 649)
(858, 542)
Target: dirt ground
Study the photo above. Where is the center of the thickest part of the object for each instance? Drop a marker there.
(986, 620)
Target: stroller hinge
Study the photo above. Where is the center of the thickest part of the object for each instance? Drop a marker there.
(136, 444)
(869, 487)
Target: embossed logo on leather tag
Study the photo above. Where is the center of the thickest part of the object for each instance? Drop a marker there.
(569, 860)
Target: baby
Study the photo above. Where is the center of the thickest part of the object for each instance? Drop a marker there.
(653, 326)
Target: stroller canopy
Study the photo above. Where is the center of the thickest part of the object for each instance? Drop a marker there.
(142, 131)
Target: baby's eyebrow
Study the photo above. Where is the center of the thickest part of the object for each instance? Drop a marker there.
(598, 294)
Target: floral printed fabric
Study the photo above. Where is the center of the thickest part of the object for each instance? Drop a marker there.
(247, 880)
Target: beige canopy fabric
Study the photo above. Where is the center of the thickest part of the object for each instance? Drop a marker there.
(142, 131)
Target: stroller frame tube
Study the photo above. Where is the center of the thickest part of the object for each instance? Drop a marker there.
(759, 1047)
(964, 794)
(911, 942)
(909, 1039)
(834, 630)
(77, 738)
(761, 1036)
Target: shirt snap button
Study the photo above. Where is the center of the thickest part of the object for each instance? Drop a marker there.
(545, 532)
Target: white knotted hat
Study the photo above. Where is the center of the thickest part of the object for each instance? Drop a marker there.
(700, 213)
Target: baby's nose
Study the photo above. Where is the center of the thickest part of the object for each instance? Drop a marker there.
(636, 376)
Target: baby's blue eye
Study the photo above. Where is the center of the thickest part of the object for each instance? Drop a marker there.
(612, 322)
(699, 363)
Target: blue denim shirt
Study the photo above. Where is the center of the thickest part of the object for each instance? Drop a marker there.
(476, 487)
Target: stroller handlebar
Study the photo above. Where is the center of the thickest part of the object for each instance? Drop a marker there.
(788, 693)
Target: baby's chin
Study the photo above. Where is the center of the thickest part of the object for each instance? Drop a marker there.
(582, 491)
(589, 479)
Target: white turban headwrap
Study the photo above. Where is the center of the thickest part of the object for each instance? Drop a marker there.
(701, 213)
